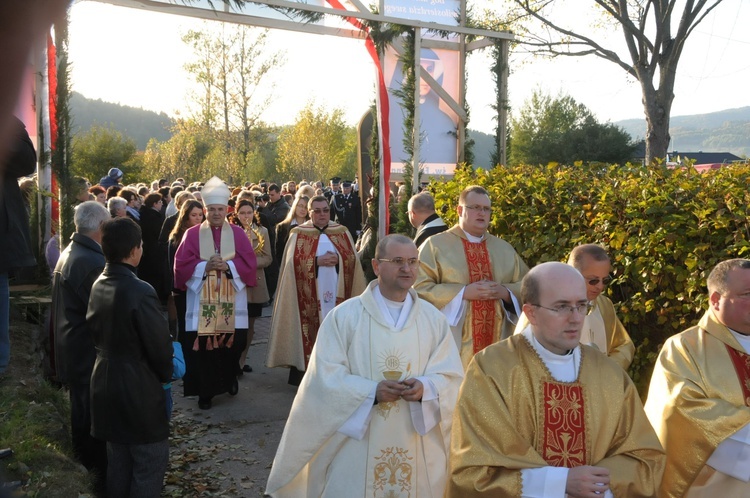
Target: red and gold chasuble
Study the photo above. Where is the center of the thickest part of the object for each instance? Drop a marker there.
(482, 312)
(564, 434)
(741, 363)
(304, 274)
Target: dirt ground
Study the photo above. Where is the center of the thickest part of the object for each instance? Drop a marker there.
(224, 451)
(228, 450)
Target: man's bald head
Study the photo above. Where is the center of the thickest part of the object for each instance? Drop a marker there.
(420, 207)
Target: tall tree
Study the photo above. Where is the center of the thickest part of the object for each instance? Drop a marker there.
(562, 130)
(317, 146)
(232, 67)
(654, 31)
(102, 148)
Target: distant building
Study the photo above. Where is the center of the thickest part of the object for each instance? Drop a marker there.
(700, 158)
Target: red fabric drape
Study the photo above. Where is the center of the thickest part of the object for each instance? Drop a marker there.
(383, 108)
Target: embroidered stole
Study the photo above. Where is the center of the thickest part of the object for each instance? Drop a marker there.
(392, 458)
(564, 434)
(217, 306)
(307, 290)
(741, 363)
(482, 312)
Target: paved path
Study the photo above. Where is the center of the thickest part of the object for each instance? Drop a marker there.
(228, 450)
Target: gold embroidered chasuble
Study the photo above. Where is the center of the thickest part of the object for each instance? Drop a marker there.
(695, 401)
(356, 348)
(394, 466)
(445, 270)
(296, 313)
(217, 307)
(513, 415)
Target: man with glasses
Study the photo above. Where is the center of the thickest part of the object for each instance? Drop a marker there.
(601, 328)
(373, 414)
(320, 270)
(700, 391)
(540, 415)
(472, 276)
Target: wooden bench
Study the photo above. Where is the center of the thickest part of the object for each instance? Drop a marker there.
(32, 300)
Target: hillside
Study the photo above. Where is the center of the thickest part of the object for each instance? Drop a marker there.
(722, 131)
(139, 124)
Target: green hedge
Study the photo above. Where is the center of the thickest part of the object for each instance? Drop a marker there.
(664, 229)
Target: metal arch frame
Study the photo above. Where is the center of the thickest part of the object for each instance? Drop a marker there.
(486, 38)
(363, 13)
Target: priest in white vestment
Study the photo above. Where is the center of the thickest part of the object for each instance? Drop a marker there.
(372, 416)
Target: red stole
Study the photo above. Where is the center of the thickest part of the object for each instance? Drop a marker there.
(564, 434)
(304, 275)
(741, 363)
(482, 312)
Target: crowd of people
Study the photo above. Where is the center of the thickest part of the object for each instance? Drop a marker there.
(459, 371)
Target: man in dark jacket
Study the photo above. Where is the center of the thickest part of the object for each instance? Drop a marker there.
(15, 241)
(423, 217)
(346, 208)
(276, 210)
(133, 360)
(79, 266)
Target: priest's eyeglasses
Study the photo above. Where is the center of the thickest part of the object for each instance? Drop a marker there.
(400, 262)
(321, 211)
(481, 209)
(564, 309)
(595, 281)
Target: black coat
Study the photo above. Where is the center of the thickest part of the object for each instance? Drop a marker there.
(80, 264)
(282, 235)
(424, 232)
(277, 211)
(154, 260)
(133, 359)
(15, 239)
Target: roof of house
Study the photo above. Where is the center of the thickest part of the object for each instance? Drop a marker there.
(704, 157)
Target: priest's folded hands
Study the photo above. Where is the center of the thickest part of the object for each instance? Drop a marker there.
(391, 390)
(587, 480)
(485, 290)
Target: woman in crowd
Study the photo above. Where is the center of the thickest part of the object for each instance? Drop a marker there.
(191, 214)
(100, 195)
(117, 207)
(305, 191)
(297, 216)
(246, 217)
(151, 268)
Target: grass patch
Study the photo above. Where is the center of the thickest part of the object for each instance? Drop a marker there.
(35, 423)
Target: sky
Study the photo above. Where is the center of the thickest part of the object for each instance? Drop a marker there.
(135, 57)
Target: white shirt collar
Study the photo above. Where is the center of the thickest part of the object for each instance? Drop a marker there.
(472, 238)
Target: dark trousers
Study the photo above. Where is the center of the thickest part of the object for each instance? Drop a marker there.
(91, 452)
(136, 470)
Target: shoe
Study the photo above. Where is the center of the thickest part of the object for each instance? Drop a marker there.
(247, 368)
(234, 388)
(204, 404)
